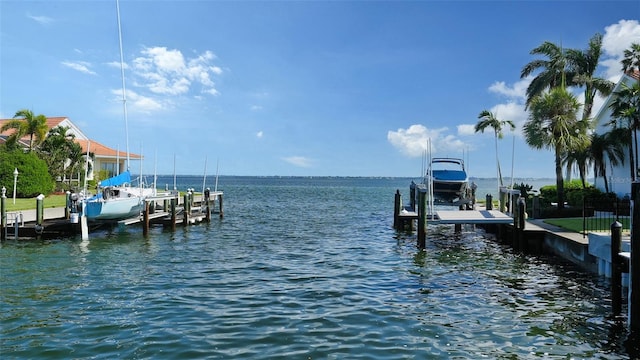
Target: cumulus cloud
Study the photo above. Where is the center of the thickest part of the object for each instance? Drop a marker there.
(168, 72)
(139, 103)
(299, 161)
(80, 66)
(259, 134)
(616, 39)
(516, 91)
(414, 140)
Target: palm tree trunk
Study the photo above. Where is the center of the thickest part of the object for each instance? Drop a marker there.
(635, 142)
(632, 163)
(559, 180)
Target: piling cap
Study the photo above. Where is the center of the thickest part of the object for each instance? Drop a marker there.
(40, 197)
(616, 224)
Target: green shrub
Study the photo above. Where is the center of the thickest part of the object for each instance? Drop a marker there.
(33, 175)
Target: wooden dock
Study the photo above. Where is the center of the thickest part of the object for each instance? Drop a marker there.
(168, 210)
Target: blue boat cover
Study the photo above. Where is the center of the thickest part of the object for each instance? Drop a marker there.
(118, 180)
(450, 175)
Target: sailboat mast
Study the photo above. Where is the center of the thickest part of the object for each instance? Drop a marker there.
(124, 91)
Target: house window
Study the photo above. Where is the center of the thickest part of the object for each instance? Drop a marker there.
(110, 168)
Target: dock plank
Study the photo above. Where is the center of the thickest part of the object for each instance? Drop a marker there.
(472, 217)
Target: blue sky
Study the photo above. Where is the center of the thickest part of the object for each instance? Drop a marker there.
(307, 88)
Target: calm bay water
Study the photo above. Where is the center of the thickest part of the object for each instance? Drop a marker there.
(301, 268)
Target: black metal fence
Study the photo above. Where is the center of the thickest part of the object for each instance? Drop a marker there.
(598, 213)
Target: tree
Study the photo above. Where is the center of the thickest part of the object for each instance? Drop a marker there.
(579, 156)
(631, 64)
(552, 124)
(489, 119)
(553, 70)
(60, 151)
(28, 124)
(583, 65)
(607, 147)
(625, 112)
(33, 178)
(631, 60)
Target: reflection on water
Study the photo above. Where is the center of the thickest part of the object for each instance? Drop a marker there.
(305, 269)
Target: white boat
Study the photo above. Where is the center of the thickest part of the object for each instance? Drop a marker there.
(448, 178)
(116, 200)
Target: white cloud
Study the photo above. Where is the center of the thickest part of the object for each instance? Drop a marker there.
(168, 72)
(616, 39)
(80, 66)
(414, 141)
(299, 161)
(138, 103)
(466, 129)
(259, 134)
(256, 107)
(44, 20)
(517, 91)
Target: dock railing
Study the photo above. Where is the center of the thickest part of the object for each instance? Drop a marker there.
(598, 213)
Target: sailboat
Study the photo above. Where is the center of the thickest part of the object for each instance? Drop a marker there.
(117, 200)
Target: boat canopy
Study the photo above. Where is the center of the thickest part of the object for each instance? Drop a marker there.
(117, 180)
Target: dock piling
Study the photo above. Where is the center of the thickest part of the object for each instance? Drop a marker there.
(634, 272)
(616, 269)
(396, 210)
(3, 214)
(422, 218)
(207, 194)
(145, 219)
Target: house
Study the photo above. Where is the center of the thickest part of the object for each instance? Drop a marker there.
(104, 158)
(618, 176)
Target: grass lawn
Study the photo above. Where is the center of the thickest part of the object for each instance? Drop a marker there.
(575, 224)
(50, 201)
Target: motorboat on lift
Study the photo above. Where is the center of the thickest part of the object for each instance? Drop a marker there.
(448, 179)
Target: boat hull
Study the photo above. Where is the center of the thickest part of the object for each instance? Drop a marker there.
(113, 209)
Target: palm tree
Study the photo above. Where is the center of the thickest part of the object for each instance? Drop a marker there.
(552, 124)
(630, 64)
(631, 60)
(625, 107)
(580, 157)
(553, 70)
(583, 64)
(606, 147)
(60, 151)
(489, 119)
(28, 124)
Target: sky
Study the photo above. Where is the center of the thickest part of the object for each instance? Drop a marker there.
(298, 88)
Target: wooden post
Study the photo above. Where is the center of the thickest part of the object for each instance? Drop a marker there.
(174, 201)
(458, 227)
(634, 272)
(3, 214)
(412, 194)
(39, 214)
(67, 209)
(422, 219)
(145, 219)
(502, 199)
(187, 210)
(522, 207)
(396, 210)
(220, 204)
(207, 193)
(489, 202)
(616, 269)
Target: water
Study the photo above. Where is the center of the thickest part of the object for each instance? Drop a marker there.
(301, 268)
